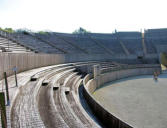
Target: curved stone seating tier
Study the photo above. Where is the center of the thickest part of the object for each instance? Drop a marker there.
(63, 66)
(65, 70)
(60, 77)
(156, 32)
(71, 116)
(64, 109)
(112, 44)
(46, 105)
(24, 112)
(76, 84)
(60, 43)
(36, 44)
(134, 46)
(90, 46)
(74, 103)
(71, 42)
(84, 42)
(22, 78)
(72, 82)
(68, 79)
(26, 98)
(51, 92)
(48, 110)
(150, 47)
(90, 43)
(103, 64)
(11, 46)
(155, 37)
(102, 36)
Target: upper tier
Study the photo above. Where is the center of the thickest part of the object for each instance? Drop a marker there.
(153, 41)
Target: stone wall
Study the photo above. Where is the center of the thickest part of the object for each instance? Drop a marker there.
(90, 85)
(130, 59)
(95, 57)
(27, 61)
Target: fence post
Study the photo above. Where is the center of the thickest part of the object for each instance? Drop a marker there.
(7, 91)
(3, 110)
(15, 73)
(16, 78)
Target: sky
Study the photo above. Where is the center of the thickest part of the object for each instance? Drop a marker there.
(100, 16)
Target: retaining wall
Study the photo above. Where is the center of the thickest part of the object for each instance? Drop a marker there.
(130, 59)
(90, 85)
(27, 61)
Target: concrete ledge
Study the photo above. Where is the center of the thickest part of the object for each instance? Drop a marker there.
(66, 90)
(45, 82)
(56, 87)
(33, 78)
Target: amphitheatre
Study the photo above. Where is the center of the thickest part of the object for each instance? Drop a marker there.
(83, 80)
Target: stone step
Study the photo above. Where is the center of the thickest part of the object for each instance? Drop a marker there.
(56, 86)
(164, 72)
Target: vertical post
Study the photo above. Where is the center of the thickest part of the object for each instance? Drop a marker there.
(3, 110)
(143, 44)
(7, 91)
(96, 71)
(15, 73)
(8, 41)
(96, 74)
(16, 78)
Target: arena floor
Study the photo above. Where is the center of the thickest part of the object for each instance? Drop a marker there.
(141, 101)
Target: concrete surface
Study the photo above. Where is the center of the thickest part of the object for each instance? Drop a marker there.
(22, 78)
(140, 100)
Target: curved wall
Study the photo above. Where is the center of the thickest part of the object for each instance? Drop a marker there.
(130, 59)
(27, 61)
(90, 85)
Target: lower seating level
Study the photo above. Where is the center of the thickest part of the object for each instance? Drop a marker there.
(49, 97)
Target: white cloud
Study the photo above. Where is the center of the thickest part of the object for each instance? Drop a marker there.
(93, 15)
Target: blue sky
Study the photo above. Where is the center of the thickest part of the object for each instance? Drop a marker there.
(94, 15)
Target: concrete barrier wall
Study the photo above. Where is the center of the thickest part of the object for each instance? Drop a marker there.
(116, 75)
(27, 61)
(97, 57)
(149, 58)
(90, 85)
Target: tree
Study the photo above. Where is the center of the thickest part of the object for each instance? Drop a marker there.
(43, 32)
(24, 31)
(81, 31)
(8, 30)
